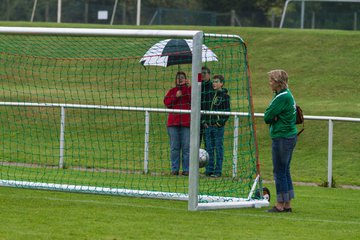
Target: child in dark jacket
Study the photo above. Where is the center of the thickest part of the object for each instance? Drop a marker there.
(214, 127)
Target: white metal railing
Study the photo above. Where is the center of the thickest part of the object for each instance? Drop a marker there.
(147, 111)
(330, 136)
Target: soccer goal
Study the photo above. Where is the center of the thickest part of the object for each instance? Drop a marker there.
(81, 112)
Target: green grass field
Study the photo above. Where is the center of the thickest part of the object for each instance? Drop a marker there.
(319, 213)
(324, 77)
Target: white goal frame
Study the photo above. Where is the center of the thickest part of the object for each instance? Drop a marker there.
(193, 196)
(303, 8)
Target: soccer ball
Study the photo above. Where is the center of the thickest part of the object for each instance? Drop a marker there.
(203, 158)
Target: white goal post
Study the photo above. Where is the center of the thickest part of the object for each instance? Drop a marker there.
(303, 8)
(195, 200)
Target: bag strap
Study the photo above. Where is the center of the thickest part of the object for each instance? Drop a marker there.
(300, 132)
(303, 128)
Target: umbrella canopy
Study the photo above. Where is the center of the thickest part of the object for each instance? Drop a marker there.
(173, 52)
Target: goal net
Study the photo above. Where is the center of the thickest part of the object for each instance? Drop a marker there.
(80, 111)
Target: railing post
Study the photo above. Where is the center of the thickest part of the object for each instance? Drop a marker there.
(146, 142)
(313, 20)
(273, 19)
(33, 11)
(59, 11)
(113, 12)
(355, 21)
(235, 148)
(330, 147)
(302, 14)
(62, 137)
(138, 12)
(232, 17)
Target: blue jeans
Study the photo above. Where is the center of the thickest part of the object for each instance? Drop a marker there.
(214, 143)
(282, 149)
(179, 143)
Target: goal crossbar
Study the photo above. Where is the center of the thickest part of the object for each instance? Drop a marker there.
(98, 32)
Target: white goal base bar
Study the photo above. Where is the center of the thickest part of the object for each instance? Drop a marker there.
(206, 202)
(241, 203)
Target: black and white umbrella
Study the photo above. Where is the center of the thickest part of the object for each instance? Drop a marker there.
(174, 52)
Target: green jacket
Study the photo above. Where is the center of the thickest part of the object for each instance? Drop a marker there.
(281, 115)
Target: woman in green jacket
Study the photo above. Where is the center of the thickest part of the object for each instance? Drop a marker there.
(281, 117)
